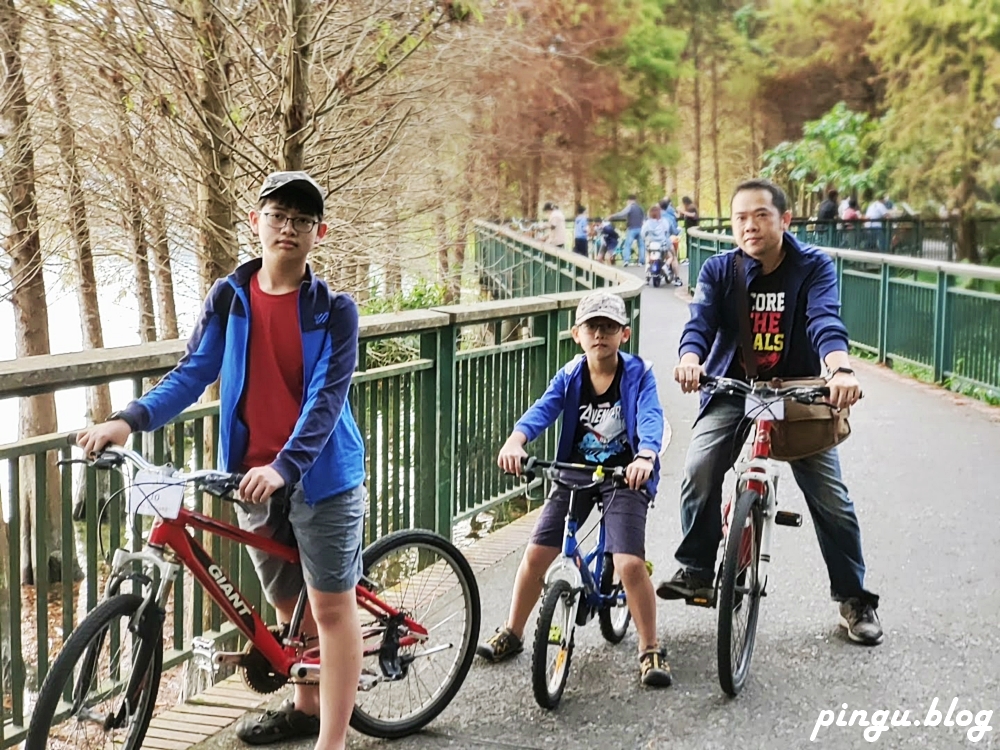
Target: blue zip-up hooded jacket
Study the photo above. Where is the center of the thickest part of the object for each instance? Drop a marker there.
(812, 302)
(640, 406)
(325, 450)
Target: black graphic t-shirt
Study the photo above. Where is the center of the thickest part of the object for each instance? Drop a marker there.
(601, 437)
(768, 327)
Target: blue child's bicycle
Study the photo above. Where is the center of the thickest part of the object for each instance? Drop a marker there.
(577, 587)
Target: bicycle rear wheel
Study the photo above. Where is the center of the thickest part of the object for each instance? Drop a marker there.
(739, 593)
(425, 576)
(553, 650)
(86, 701)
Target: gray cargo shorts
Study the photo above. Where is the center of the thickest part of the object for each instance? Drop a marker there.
(329, 536)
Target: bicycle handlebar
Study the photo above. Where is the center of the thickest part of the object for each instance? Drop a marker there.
(218, 483)
(530, 463)
(800, 393)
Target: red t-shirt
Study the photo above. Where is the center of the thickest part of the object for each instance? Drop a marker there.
(272, 399)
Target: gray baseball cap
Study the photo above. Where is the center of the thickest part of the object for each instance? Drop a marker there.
(278, 180)
(602, 304)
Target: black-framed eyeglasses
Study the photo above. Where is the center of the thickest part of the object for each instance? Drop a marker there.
(301, 224)
(606, 327)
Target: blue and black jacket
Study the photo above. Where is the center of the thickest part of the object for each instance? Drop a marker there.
(325, 450)
(812, 304)
(640, 407)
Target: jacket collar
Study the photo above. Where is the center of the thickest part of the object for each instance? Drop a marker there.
(241, 276)
(793, 255)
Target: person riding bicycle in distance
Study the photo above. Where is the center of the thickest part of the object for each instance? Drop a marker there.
(285, 348)
(612, 417)
(795, 318)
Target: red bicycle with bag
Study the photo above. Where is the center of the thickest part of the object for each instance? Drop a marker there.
(418, 601)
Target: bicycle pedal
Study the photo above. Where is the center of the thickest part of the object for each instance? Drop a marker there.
(787, 518)
(203, 655)
(700, 601)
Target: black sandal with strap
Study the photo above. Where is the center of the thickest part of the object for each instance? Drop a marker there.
(285, 723)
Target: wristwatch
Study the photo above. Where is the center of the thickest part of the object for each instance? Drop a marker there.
(847, 370)
(123, 417)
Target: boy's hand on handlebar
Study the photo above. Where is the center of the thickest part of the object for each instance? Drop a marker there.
(511, 455)
(688, 374)
(638, 472)
(259, 484)
(95, 439)
(845, 390)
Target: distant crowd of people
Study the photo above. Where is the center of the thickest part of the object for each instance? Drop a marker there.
(833, 208)
(599, 239)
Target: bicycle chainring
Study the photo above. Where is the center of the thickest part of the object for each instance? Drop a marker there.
(257, 672)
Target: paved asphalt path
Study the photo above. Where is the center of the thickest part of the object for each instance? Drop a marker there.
(924, 472)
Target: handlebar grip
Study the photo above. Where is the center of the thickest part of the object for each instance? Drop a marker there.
(71, 438)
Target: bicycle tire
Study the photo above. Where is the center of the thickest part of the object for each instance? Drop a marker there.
(373, 726)
(547, 694)
(734, 594)
(606, 615)
(84, 645)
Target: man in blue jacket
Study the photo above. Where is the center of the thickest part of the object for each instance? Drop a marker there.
(633, 216)
(611, 417)
(285, 348)
(793, 294)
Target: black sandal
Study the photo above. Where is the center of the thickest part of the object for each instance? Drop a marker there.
(285, 723)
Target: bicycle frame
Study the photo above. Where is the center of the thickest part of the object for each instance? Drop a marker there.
(175, 535)
(574, 568)
(757, 473)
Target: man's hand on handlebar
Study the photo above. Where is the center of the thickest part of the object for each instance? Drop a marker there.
(689, 372)
(638, 472)
(845, 390)
(259, 484)
(95, 439)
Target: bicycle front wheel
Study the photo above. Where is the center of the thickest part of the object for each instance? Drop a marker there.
(424, 576)
(740, 592)
(553, 644)
(93, 696)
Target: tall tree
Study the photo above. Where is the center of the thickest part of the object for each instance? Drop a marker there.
(31, 323)
(941, 64)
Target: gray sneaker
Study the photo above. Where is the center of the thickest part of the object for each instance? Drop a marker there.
(861, 622)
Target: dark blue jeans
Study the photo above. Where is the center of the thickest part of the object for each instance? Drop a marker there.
(715, 445)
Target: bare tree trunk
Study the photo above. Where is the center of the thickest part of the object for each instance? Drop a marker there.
(614, 153)
(462, 238)
(165, 302)
(696, 105)
(37, 415)
(535, 178)
(217, 208)
(715, 136)
(8, 659)
(136, 222)
(295, 85)
(577, 172)
(754, 151)
(441, 228)
(98, 397)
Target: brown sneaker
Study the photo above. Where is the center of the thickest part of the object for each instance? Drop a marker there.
(500, 646)
(653, 668)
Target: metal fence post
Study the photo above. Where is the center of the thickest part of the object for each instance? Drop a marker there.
(883, 312)
(424, 511)
(940, 326)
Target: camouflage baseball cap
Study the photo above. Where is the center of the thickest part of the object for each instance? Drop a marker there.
(278, 180)
(602, 304)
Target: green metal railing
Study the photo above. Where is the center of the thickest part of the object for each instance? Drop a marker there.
(930, 239)
(435, 395)
(943, 316)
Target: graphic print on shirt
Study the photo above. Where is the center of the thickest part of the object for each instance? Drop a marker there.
(602, 431)
(766, 309)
